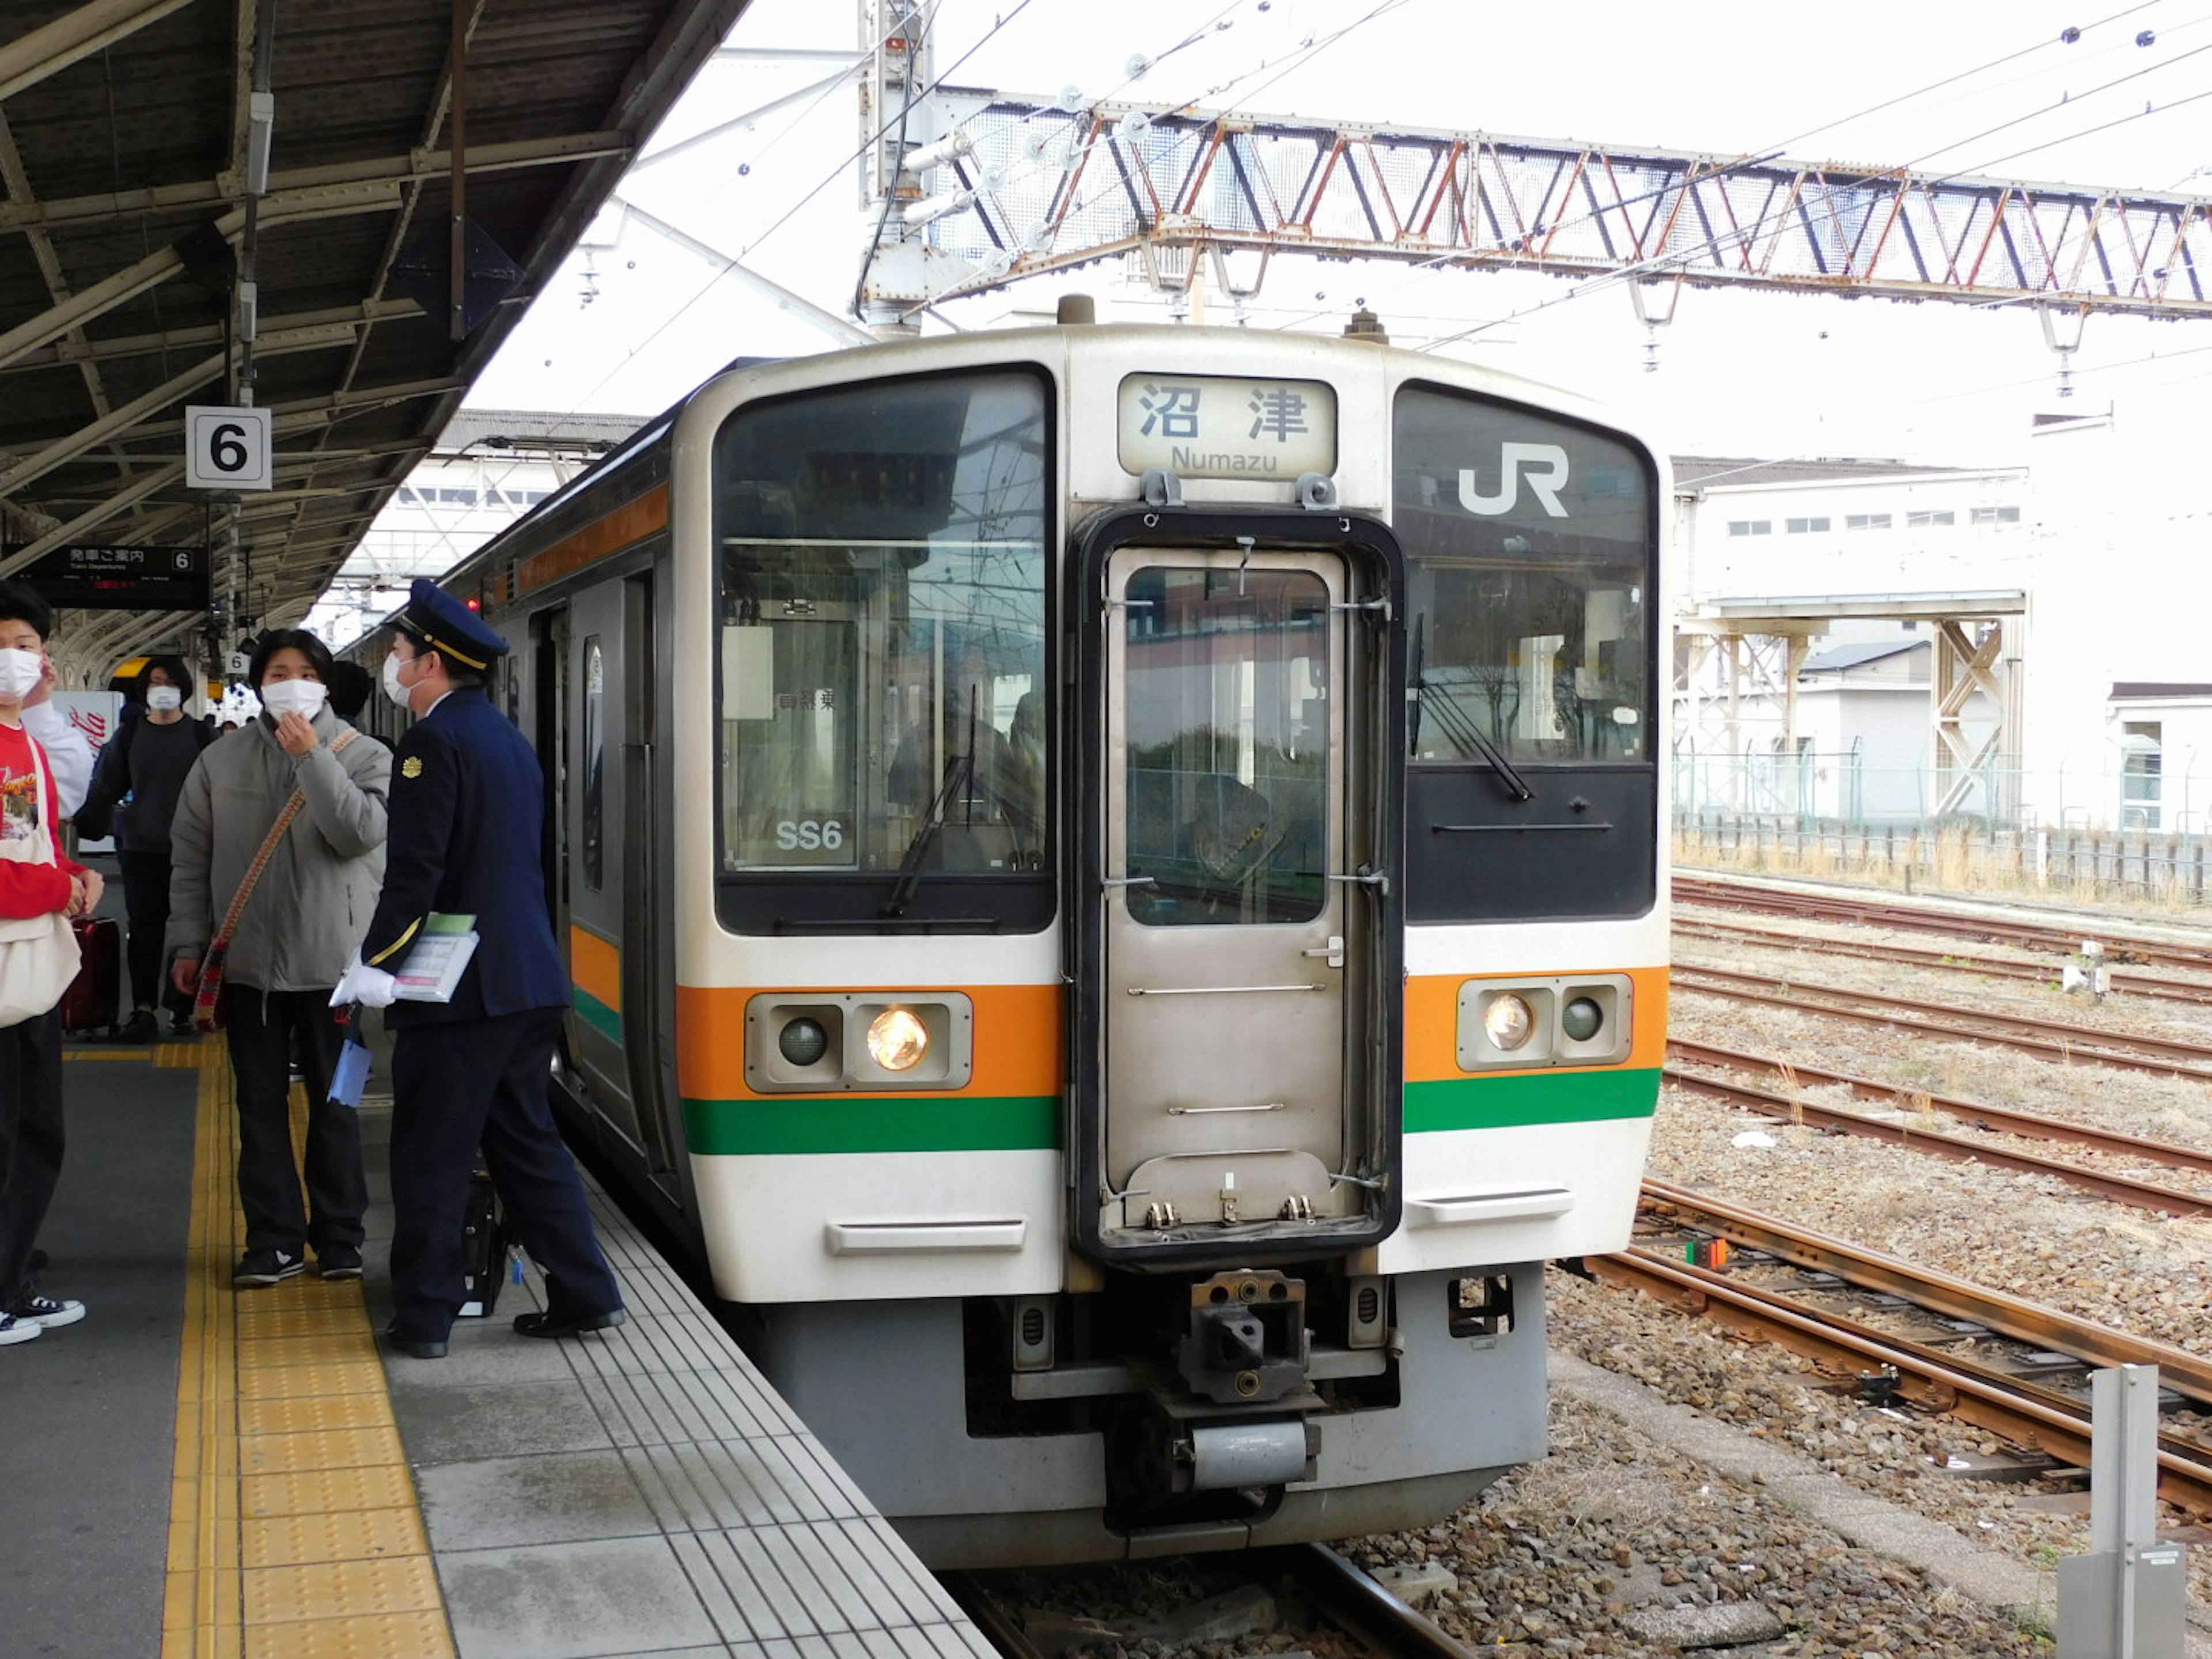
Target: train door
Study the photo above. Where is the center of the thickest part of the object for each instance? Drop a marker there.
(617, 939)
(1246, 961)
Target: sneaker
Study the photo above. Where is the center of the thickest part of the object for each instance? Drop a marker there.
(181, 1025)
(266, 1266)
(339, 1261)
(13, 1329)
(45, 1312)
(139, 1028)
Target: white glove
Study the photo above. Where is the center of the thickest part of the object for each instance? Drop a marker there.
(370, 987)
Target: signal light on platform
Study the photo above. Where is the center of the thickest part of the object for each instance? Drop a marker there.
(473, 602)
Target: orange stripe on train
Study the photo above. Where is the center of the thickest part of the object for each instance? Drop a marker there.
(595, 968)
(1432, 1021)
(629, 524)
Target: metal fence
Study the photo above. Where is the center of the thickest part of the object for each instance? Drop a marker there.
(1763, 782)
(1959, 856)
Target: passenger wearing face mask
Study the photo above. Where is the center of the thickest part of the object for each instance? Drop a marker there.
(147, 761)
(36, 879)
(296, 930)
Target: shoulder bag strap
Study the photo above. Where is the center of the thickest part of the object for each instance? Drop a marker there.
(268, 846)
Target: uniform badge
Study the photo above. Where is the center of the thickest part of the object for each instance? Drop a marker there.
(411, 767)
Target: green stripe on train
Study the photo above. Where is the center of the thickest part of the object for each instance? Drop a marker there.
(906, 1123)
(1499, 1103)
(873, 1123)
(595, 1013)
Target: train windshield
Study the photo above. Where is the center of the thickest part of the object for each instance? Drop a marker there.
(881, 682)
(1530, 558)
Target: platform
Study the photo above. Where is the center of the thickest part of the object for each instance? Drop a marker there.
(203, 1473)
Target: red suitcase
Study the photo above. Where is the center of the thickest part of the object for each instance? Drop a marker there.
(90, 1003)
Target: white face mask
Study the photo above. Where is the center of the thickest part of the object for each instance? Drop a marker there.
(163, 698)
(20, 673)
(302, 697)
(393, 688)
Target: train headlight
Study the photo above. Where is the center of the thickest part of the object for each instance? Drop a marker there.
(896, 1040)
(1581, 1018)
(1508, 1022)
(859, 1041)
(803, 1041)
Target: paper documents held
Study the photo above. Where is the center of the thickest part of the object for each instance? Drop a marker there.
(440, 957)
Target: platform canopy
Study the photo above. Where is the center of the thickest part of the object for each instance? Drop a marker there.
(191, 185)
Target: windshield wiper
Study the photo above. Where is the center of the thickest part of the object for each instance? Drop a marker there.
(958, 768)
(1456, 725)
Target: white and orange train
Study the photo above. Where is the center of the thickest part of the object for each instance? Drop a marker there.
(1114, 879)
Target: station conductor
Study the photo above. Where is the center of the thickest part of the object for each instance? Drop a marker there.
(467, 811)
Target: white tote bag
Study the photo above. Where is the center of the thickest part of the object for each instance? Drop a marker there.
(38, 954)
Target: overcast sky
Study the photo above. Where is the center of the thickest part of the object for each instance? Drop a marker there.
(1978, 87)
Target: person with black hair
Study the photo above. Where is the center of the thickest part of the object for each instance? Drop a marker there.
(68, 751)
(37, 878)
(350, 686)
(320, 863)
(144, 769)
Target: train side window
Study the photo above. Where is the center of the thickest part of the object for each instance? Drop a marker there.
(595, 747)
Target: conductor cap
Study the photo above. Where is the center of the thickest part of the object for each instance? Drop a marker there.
(451, 627)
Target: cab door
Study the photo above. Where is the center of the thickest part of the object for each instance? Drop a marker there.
(1244, 1038)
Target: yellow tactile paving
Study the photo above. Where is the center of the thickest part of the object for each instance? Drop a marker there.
(306, 1348)
(338, 1411)
(294, 1530)
(284, 1541)
(373, 1636)
(321, 1492)
(402, 1584)
(319, 1449)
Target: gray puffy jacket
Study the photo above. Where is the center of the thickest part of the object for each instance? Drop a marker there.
(314, 899)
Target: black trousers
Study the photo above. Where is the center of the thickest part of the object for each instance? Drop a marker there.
(261, 1027)
(31, 1140)
(146, 906)
(457, 1087)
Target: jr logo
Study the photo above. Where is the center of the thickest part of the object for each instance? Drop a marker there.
(1544, 466)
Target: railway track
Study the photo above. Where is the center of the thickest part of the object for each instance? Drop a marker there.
(2126, 979)
(2051, 1040)
(2016, 1397)
(1928, 919)
(1378, 1623)
(1906, 1125)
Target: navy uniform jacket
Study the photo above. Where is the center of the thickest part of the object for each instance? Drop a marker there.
(467, 811)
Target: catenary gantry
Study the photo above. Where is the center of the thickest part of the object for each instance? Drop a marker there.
(1041, 186)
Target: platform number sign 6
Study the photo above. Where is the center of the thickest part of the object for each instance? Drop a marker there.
(228, 448)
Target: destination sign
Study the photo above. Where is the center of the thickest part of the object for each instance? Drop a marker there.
(1217, 426)
(107, 578)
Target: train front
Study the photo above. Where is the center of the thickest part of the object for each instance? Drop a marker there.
(1184, 943)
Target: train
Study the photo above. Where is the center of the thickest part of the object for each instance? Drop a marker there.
(1114, 883)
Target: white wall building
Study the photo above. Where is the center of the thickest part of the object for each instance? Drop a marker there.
(2062, 678)
(1778, 565)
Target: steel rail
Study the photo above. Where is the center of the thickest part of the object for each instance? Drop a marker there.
(2018, 1410)
(2030, 1322)
(1929, 919)
(2133, 984)
(1355, 1601)
(2005, 1031)
(2142, 1194)
(1363, 1606)
(2031, 1124)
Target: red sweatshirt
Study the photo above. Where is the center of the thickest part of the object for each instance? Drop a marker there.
(27, 811)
